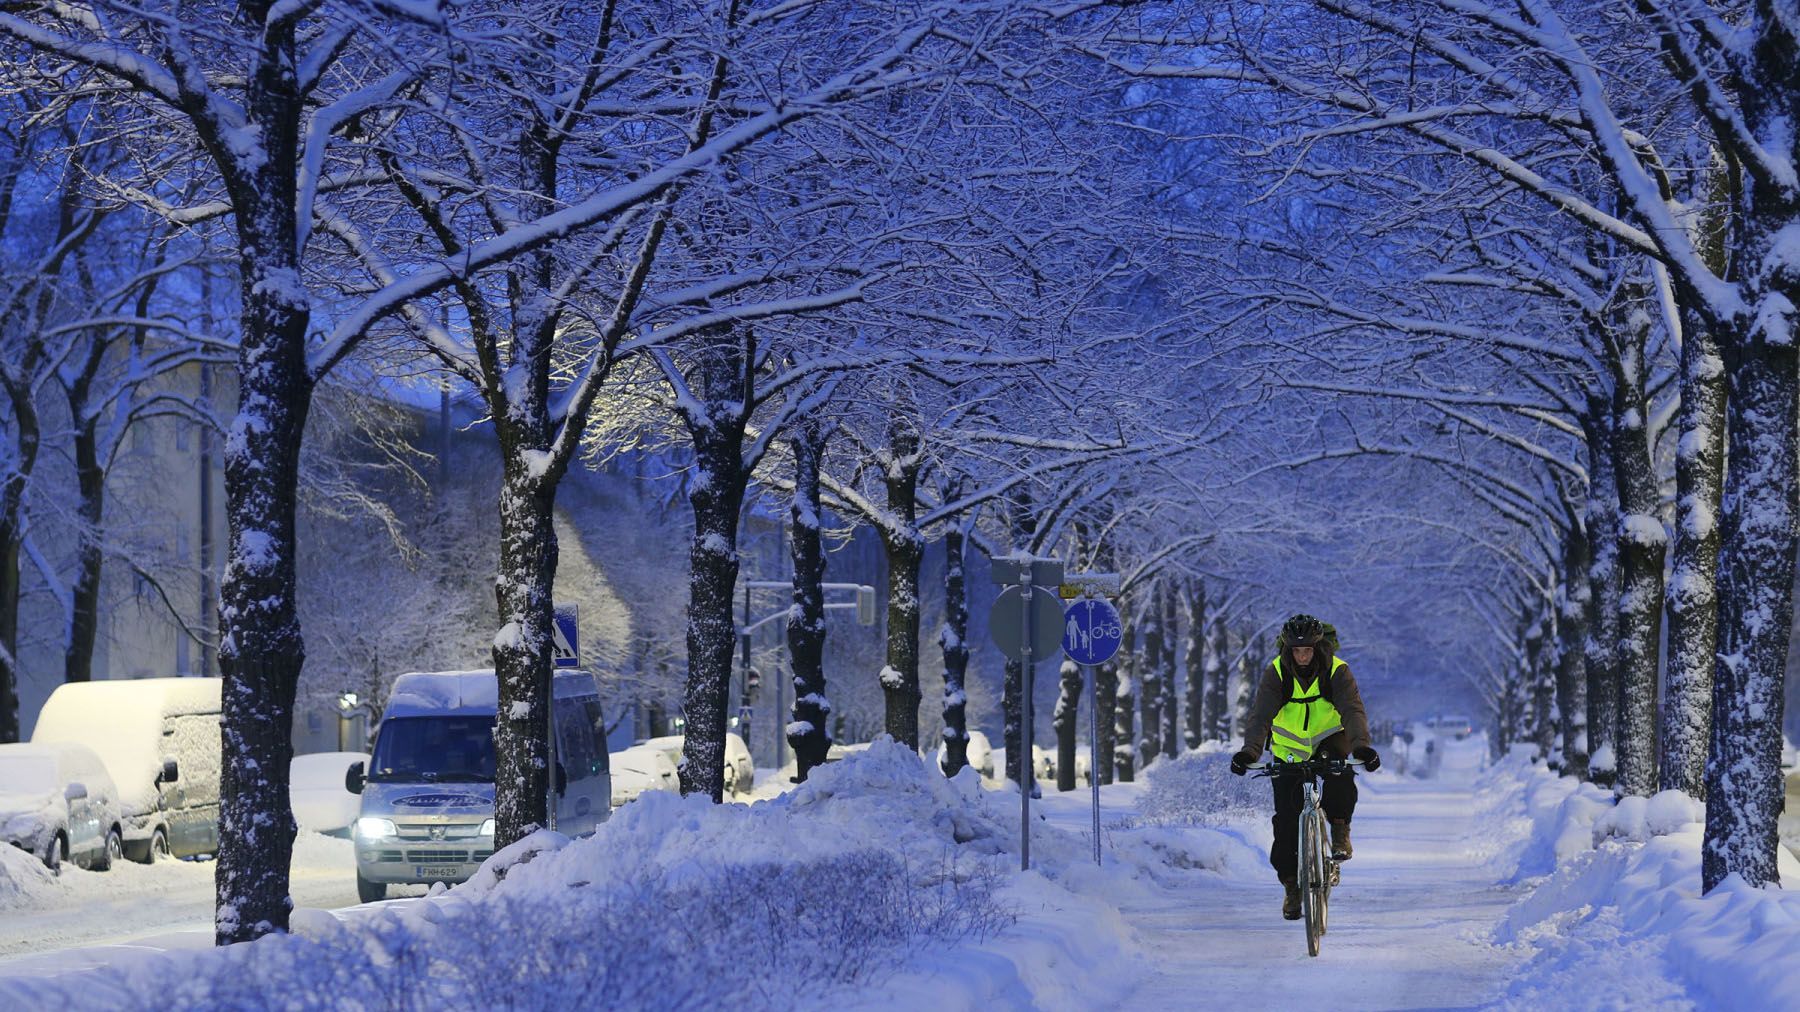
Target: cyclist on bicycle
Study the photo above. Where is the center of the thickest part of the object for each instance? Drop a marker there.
(1307, 703)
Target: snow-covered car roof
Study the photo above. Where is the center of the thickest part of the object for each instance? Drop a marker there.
(51, 767)
(473, 693)
(122, 721)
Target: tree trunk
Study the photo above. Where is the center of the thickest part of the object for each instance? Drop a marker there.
(1571, 672)
(1218, 726)
(1106, 698)
(1603, 613)
(261, 650)
(1010, 713)
(1541, 662)
(1642, 544)
(1171, 717)
(84, 615)
(1694, 570)
(900, 676)
(1124, 750)
(1199, 717)
(524, 644)
(1744, 786)
(1068, 713)
(954, 639)
(1150, 678)
(809, 734)
(1124, 745)
(1248, 667)
(12, 508)
(711, 629)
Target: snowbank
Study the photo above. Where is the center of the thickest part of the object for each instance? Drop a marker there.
(23, 879)
(876, 884)
(877, 878)
(1622, 897)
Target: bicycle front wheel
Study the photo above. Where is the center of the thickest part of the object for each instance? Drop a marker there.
(1312, 886)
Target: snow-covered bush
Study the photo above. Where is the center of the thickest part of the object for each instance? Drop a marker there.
(1198, 789)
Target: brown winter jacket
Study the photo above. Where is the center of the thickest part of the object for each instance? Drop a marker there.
(1271, 697)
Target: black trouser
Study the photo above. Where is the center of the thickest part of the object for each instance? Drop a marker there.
(1338, 798)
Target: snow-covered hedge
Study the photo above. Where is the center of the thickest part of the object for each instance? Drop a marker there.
(1198, 789)
(1623, 889)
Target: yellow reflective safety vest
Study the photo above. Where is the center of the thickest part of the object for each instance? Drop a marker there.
(1305, 720)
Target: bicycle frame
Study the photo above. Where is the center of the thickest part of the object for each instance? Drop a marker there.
(1316, 868)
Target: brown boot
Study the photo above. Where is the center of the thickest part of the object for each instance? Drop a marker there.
(1290, 901)
(1340, 840)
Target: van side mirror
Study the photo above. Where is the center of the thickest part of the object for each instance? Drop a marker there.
(75, 792)
(355, 777)
(562, 779)
(170, 772)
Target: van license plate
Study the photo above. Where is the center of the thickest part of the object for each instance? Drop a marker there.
(437, 871)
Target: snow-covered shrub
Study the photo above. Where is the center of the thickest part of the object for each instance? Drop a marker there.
(1198, 789)
(1641, 819)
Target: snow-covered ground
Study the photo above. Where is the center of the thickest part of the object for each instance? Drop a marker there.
(881, 885)
(42, 914)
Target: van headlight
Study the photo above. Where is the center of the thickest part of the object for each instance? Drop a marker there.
(487, 828)
(374, 829)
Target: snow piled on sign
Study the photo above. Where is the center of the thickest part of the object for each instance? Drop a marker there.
(1616, 917)
(878, 883)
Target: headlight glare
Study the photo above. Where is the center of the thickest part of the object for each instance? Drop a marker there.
(373, 828)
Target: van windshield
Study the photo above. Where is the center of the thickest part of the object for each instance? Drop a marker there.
(434, 750)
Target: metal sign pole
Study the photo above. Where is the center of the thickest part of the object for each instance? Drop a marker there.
(1026, 771)
(1094, 750)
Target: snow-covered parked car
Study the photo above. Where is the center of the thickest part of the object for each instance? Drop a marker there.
(159, 738)
(641, 768)
(740, 772)
(317, 793)
(58, 803)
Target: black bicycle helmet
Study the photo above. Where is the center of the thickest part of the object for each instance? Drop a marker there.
(1302, 631)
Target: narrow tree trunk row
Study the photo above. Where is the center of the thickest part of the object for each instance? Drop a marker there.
(1171, 717)
(1149, 667)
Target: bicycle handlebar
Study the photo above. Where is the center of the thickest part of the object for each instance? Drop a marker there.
(1303, 767)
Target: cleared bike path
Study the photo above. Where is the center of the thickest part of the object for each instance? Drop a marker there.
(1409, 924)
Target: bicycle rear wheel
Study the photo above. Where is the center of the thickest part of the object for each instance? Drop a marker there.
(1312, 886)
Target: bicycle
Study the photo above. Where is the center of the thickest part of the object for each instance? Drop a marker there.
(1317, 869)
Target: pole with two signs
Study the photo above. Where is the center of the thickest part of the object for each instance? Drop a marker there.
(1092, 634)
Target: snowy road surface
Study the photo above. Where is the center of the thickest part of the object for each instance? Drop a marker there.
(1411, 924)
(134, 901)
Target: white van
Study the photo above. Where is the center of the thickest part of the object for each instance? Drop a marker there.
(159, 738)
(427, 811)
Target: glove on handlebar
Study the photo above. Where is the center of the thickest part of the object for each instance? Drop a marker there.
(1371, 759)
(1240, 763)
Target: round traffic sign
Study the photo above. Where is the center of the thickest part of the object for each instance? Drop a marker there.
(1006, 623)
(1092, 631)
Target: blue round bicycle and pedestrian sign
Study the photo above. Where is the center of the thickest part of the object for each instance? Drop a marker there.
(1092, 631)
